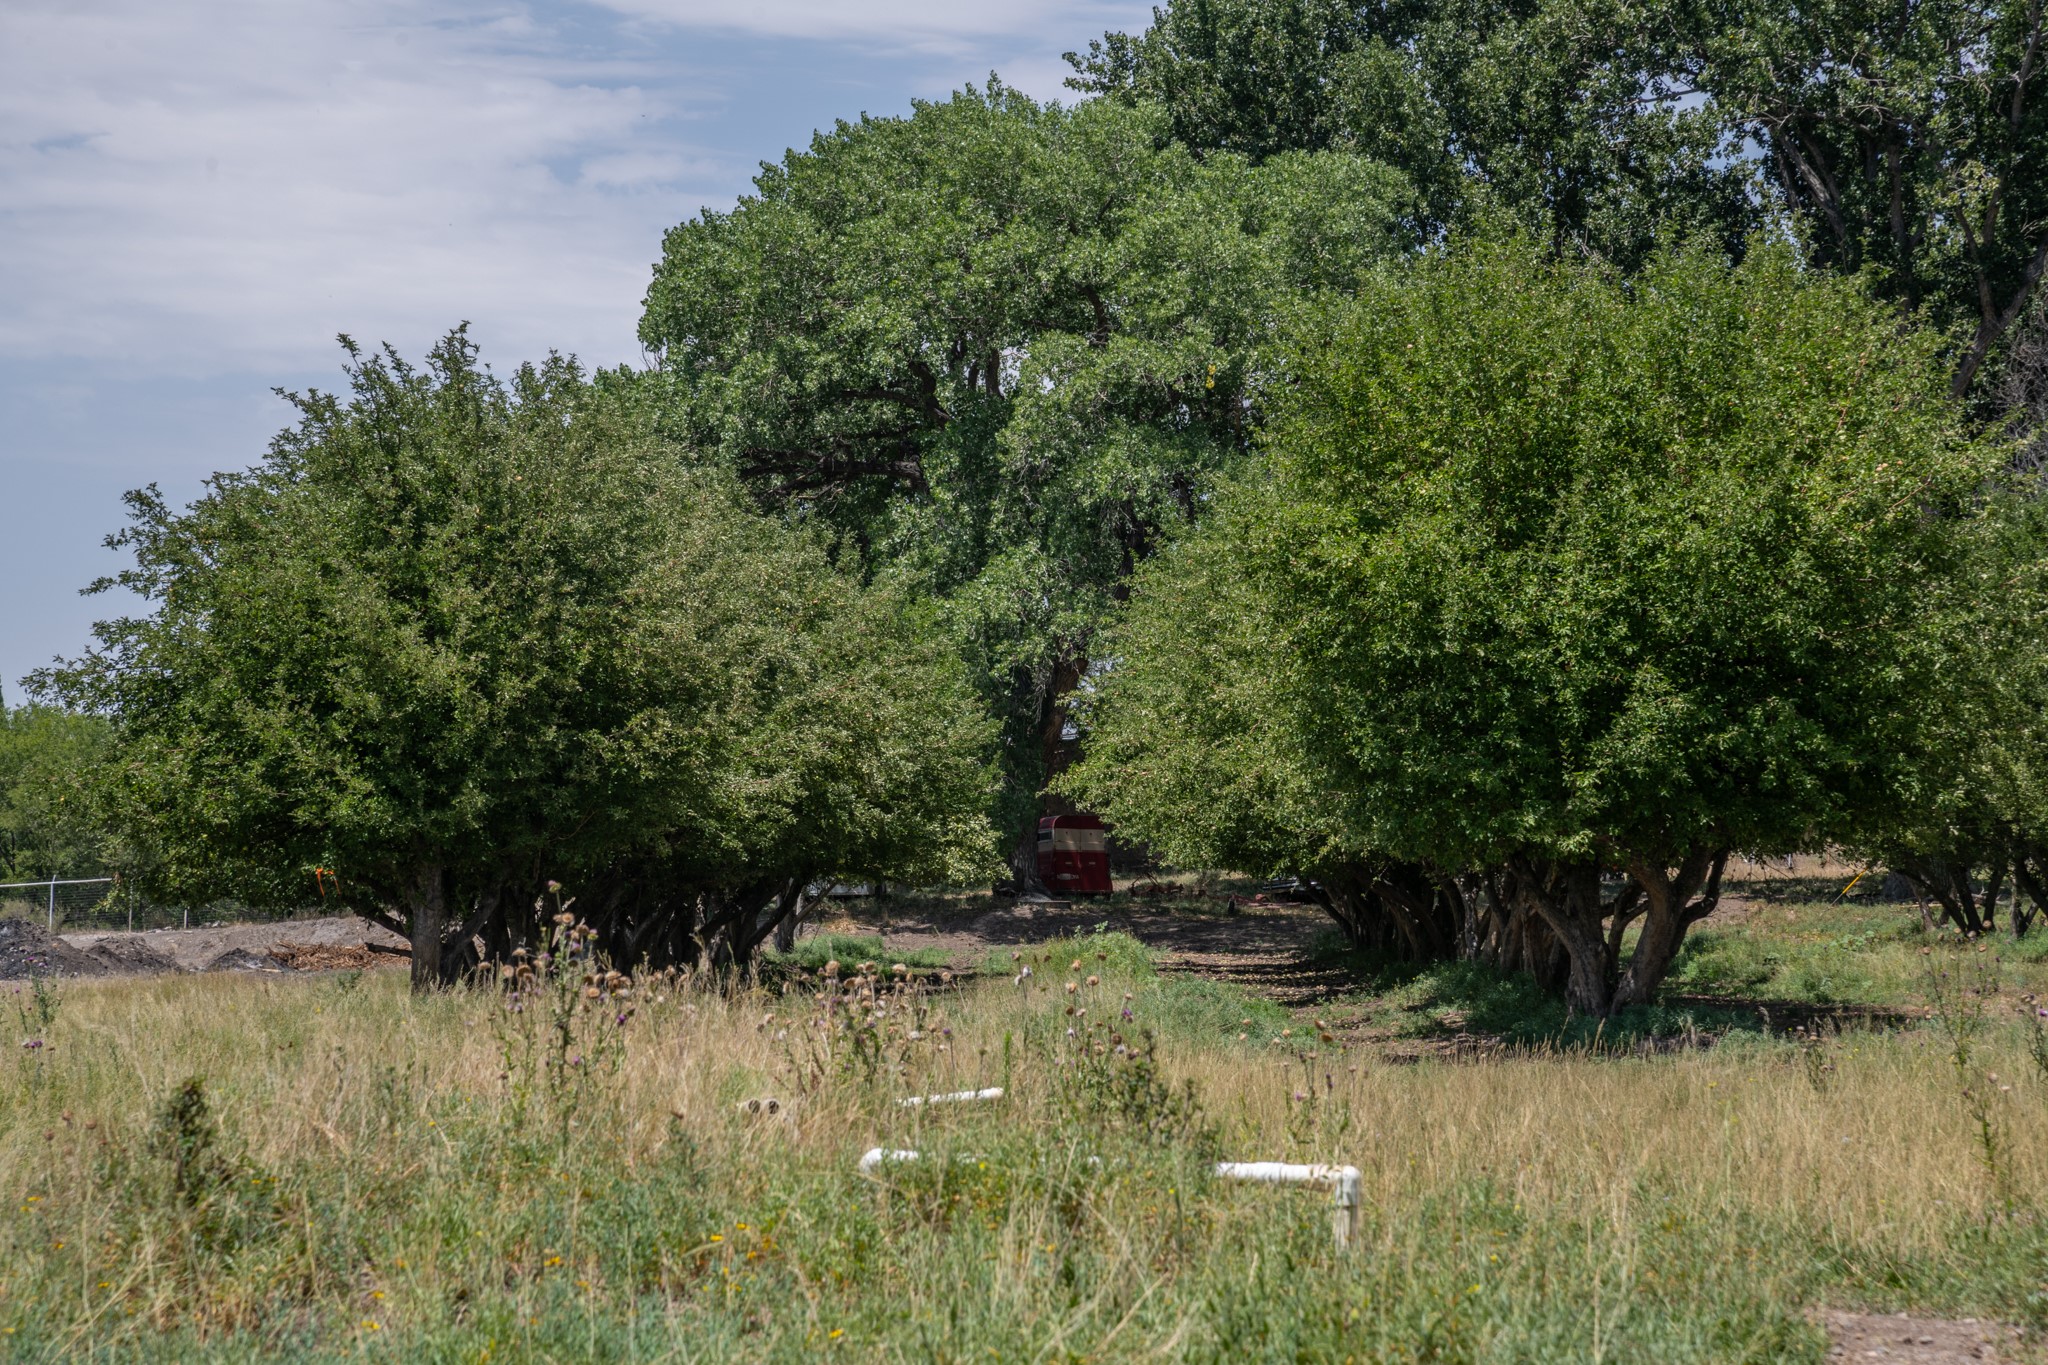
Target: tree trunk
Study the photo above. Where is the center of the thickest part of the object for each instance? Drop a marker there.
(427, 920)
(1024, 859)
(786, 927)
(1567, 896)
(2024, 881)
(1669, 910)
(1587, 987)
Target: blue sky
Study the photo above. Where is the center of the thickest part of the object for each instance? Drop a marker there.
(196, 197)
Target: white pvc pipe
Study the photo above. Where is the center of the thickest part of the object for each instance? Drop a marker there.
(876, 1157)
(994, 1092)
(1343, 1181)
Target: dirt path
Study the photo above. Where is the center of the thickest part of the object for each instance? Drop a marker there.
(1265, 948)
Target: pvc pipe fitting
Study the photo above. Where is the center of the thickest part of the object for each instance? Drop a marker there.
(994, 1092)
(1344, 1182)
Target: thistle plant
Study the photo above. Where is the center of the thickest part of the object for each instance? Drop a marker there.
(864, 1027)
(561, 1023)
(1107, 1075)
(1956, 996)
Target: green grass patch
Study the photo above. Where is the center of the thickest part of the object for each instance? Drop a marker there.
(1194, 1011)
(1100, 952)
(814, 951)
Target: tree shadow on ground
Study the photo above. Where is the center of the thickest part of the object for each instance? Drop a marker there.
(1470, 1004)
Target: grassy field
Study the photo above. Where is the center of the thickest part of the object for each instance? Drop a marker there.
(233, 1167)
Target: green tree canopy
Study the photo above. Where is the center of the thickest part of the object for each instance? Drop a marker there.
(459, 636)
(1911, 139)
(1564, 579)
(50, 822)
(1907, 140)
(996, 347)
(1564, 117)
(1970, 813)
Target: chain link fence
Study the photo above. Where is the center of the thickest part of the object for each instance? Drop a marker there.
(81, 904)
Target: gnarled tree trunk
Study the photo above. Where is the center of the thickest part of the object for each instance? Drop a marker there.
(1567, 896)
(1673, 903)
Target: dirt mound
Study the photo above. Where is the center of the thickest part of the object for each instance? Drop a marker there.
(129, 956)
(197, 950)
(27, 949)
(243, 960)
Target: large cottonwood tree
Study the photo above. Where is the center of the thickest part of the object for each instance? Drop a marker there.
(1906, 140)
(996, 347)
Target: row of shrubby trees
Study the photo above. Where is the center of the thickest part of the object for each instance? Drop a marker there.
(1560, 590)
(1378, 431)
(460, 636)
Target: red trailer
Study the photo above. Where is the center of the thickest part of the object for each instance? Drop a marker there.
(1073, 855)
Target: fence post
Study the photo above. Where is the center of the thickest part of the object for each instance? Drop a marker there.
(131, 909)
(52, 920)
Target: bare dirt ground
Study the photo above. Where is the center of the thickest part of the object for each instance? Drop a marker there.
(1917, 1341)
(286, 945)
(1265, 948)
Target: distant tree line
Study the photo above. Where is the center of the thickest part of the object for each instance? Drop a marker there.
(1495, 459)
(50, 824)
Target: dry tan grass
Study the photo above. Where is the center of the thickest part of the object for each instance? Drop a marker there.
(1886, 1147)
(395, 1113)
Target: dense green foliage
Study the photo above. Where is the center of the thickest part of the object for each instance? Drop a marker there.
(997, 347)
(458, 636)
(1555, 576)
(1970, 816)
(1585, 556)
(50, 825)
(1560, 118)
(1911, 140)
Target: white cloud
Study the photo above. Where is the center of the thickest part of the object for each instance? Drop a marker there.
(209, 186)
(226, 185)
(932, 23)
(195, 195)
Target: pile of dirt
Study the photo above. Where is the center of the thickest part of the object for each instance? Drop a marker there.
(243, 960)
(130, 956)
(260, 946)
(27, 949)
